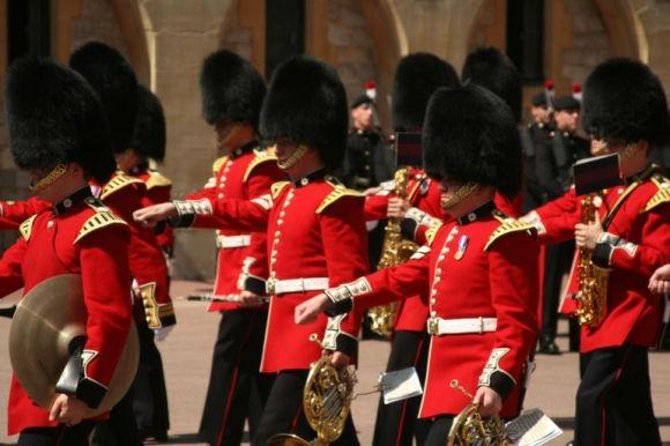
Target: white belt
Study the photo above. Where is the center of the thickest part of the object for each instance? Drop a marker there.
(297, 285)
(232, 241)
(437, 326)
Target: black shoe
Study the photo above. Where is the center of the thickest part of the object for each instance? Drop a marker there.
(549, 347)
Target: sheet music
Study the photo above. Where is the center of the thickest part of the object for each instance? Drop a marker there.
(400, 385)
(532, 428)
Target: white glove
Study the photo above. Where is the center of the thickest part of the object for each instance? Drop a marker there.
(161, 333)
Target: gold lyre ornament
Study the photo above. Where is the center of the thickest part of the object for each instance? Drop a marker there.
(395, 251)
(470, 428)
(593, 280)
(326, 401)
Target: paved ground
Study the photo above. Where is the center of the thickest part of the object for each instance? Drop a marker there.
(186, 354)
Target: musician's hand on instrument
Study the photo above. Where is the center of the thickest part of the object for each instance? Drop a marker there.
(68, 410)
(586, 236)
(530, 218)
(397, 207)
(250, 299)
(659, 282)
(308, 311)
(340, 359)
(488, 401)
(151, 215)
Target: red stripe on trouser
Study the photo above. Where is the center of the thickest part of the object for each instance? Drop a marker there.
(603, 426)
(404, 403)
(233, 386)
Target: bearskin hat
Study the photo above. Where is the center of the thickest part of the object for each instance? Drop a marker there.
(416, 77)
(470, 134)
(112, 77)
(624, 100)
(493, 70)
(149, 136)
(231, 89)
(54, 116)
(306, 103)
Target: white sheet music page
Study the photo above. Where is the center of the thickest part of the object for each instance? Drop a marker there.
(400, 385)
(532, 428)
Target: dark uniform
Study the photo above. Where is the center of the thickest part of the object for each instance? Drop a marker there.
(78, 236)
(477, 274)
(535, 137)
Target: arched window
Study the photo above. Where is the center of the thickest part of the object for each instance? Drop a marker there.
(525, 38)
(28, 28)
(284, 32)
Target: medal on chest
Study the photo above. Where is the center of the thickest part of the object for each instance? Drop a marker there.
(462, 246)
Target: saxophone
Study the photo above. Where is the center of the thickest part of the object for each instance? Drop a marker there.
(593, 280)
(395, 251)
(326, 401)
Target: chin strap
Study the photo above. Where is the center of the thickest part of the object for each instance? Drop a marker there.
(49, 178)
(293, 159)
(459, 195)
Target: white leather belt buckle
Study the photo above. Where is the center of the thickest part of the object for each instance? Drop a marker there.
(299, 285)
(437, 326)
(232, 241)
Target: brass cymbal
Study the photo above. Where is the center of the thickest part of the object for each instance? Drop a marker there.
(47, 319)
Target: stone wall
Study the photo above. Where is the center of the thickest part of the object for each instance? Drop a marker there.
(97, 22)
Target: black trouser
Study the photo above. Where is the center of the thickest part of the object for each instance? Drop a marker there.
(57, 436)
(284, 412)
(556, 263)
(150, 396)
(397, 422)
(237, 390)
(121, 428)
(614, 399)
(439, 431)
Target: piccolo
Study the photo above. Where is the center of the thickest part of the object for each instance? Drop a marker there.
(236, 298)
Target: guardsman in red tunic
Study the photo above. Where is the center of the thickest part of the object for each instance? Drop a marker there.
(232, 93)
(479, 269)
(315, 229)
(625, 111)
(147, 146)
(58, 134)
(114, 81)
(13, 213)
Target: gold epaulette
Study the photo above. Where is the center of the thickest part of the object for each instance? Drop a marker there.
(117, 183)
(338, 192)
(662, 195)
(431, 232)
(102, 218)
(157, 179)
(216, 165)
(277, 187)
(508, 226)
(27, 227)
(261, 157)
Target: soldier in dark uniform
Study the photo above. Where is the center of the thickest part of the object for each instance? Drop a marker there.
(554, 172)
(538, 133)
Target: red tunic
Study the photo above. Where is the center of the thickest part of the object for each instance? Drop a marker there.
(159, 190)
(124, 195)
(13, 213)
(486, 268)
(642, 226)
(244, 177)
(53, 245)
(315, 229)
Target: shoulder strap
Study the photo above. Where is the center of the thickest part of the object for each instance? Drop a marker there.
(262, 156)
(26, 228)
(157, 179)
(117, 183)
(662, 195)
(508, 226)
(277, 187)
(338, 192)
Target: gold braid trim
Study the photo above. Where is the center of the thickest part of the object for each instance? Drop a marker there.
(661, 196)
(277, 187)
(97, 221)
(26, 228)
(117, 183)
(508, 226)
(218, 163)
(157, 179)
(431, 232)
(337, 193)
(262, 156)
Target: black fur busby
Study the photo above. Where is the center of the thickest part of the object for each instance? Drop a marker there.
(112, 77)
(306, 103)
(54, 116)
(149, 136)
(416, 78)
(624, 100)
(493, 70)
(231, 89)
(470, 134)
